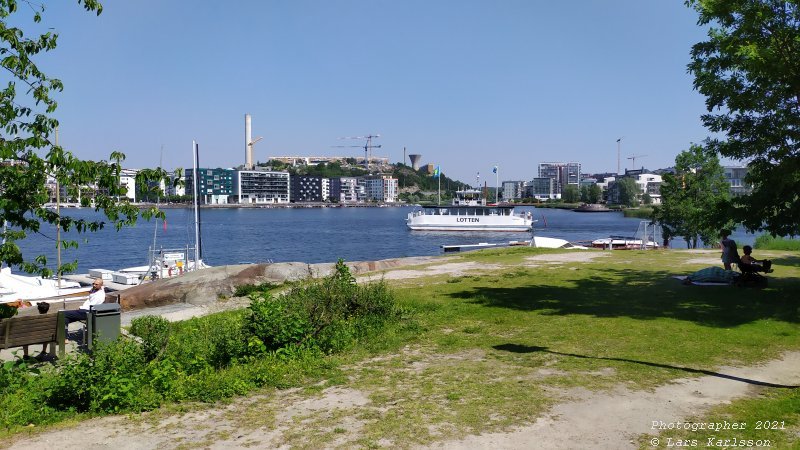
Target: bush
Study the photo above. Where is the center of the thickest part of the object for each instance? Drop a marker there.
(245, 290)
(329, 313)
(277, 322)
(216, 340)
(110, 380)
(767, 242)
(154, 332)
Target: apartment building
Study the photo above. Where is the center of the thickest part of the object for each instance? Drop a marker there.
(261, 187)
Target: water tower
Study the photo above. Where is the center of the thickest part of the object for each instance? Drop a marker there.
(415, 159)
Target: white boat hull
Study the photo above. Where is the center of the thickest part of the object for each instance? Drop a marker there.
(434, 222)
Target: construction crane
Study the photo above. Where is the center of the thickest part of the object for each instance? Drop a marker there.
(633, 160)
(367, 146)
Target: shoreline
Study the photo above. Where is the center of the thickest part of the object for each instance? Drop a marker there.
(275, 205)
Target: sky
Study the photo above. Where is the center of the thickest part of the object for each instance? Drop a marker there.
(468, 84)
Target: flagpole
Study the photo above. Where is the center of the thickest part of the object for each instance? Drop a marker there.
(439, 198)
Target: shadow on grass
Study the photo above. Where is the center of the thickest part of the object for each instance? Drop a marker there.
(518, 348)
(786, 261)
(644, 294)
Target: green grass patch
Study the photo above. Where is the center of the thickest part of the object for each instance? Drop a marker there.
(767, 242)
(491, 349)
(643, 212)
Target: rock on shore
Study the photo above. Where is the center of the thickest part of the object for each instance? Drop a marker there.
(206, 286)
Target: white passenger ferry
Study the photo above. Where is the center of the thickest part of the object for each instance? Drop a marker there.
(469, 212)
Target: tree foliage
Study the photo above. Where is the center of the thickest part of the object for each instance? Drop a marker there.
(29, 155)
(628, 192)
(749, 71)
(690, 198)
(571, 194)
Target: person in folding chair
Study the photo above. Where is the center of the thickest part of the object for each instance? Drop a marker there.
(750, 264)
(97, 295)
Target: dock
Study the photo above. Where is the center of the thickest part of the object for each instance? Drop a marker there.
(85, 280)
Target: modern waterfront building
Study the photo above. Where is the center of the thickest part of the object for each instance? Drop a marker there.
(261, 187)
(380, 188)
(127, 179)
(650, 184)
(542, 188)
(734, 175)
(512, 190)
(346, 190)
(309, 189)
(215, 185)
(180, 189)
(562, 173)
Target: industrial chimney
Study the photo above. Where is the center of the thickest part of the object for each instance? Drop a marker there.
(415, 159)
(248, 143)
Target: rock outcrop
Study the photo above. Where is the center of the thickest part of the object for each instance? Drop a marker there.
(206, 286)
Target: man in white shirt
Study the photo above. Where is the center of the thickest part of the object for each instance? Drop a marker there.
(96, 296)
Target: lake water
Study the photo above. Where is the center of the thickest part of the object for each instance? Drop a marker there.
(312, 235)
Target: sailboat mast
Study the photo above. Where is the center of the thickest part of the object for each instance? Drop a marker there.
(58, 225)
(196, 195)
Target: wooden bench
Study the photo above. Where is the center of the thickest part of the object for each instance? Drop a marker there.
(31, 330)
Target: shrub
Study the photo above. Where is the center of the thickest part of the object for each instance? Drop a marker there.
(154, 332)
(245, 290)
(110, 380)
(329, 313)
(767, 242)
(277, 321)
(215, 340)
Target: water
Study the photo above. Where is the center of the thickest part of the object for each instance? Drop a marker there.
(312, 235)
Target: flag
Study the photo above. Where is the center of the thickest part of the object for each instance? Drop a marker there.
(494, 170)
(436, 172)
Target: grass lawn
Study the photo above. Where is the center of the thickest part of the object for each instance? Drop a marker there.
(495, 349)
(493, 343)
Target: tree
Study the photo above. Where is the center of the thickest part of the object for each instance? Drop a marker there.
(628, 192)
(571, 194)
(585, 194)
(690, 198)
(595, 193)
(29, 156)
(749, 71)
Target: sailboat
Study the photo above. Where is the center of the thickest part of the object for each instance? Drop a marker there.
(16, 288)
(167, 263)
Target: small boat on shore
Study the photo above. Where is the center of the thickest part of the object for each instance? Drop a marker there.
(592, 207)
(469, 212)
(624, 243)
(15, 288)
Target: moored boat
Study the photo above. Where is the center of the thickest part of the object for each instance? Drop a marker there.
(624, 243)
(592, 207)
(469, 212)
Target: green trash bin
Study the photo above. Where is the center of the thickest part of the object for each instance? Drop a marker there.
(104, 323)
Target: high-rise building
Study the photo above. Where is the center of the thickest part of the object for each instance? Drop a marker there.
(562, 173)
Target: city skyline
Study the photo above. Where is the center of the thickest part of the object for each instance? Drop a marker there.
(468, 85)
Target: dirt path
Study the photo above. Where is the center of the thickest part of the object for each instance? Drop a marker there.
(584, 419)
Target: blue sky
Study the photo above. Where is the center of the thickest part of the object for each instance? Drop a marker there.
(468, 84)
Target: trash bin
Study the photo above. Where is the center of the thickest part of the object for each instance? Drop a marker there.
(104, 323)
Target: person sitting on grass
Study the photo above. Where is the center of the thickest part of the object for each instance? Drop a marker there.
(756, 265)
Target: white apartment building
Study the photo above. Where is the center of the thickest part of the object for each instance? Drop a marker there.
(127, 179)
(261, 187)
(381, 189)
